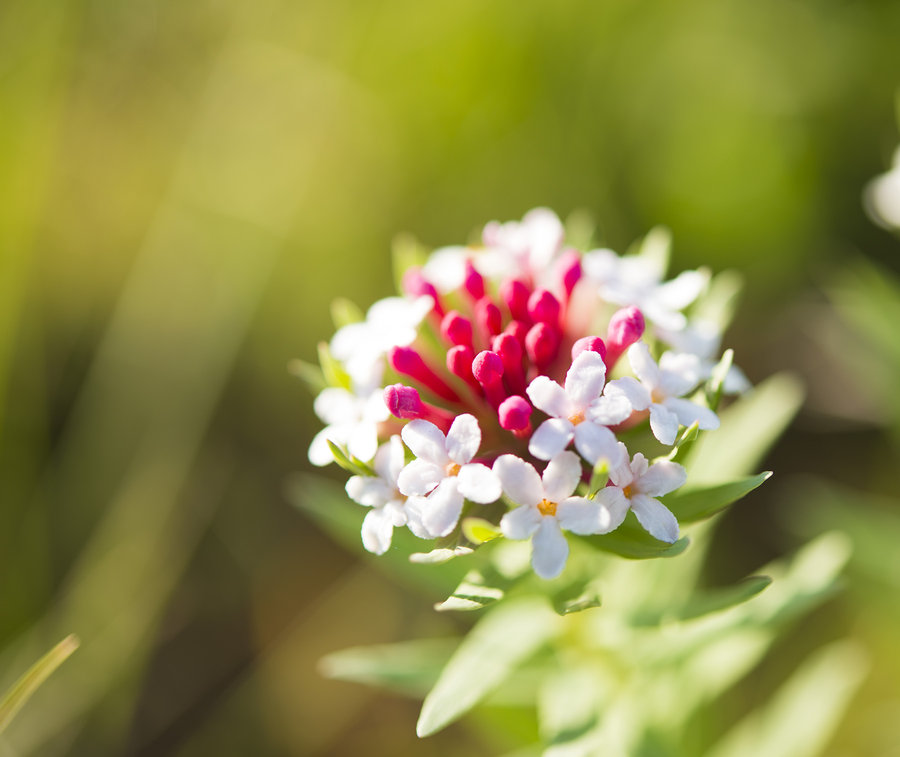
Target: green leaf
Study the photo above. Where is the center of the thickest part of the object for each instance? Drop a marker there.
(710, 601)
(701, 503)
(309, 374)
(344, 312)
(683, 445)
(473, 593)
(500, 641)
(576, 598)
(749, 428)
(717, 379)
(332, 370)
(350, 464)
(410, 667)
(631, 541)
(599, 476)
(479, 530)
(23, 689)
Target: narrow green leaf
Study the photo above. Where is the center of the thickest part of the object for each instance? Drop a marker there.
(631, 541)
(701, 503)
(576, 598)
(350, 464)
(714, 600)
(410, 667)
(22, 690)
(683, 445)
(599, 476)
(717, 380)
(309, 374)
(344, 312)
(502, 640)
(479, 530)
(473, 593)
(332, 370)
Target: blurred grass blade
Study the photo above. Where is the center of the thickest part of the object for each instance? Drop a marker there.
(492, 650)
(698, 504)
(21, 692)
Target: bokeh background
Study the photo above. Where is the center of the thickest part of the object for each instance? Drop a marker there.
(187, 185)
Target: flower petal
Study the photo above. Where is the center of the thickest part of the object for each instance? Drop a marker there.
(545, 394)
(368, 490)
(415, 506)
(463, 439)
(393, 460)
(583, 516)
(616, 504)
(679, 373)
(681, 291)
(643, 365)
(521, 522)
(551, 438)
(561, 476)
(595, 443)
(442, 508)
(663, 423)
(689, 412)
(334, 405)
(520, 480)
(426, 441)
(610, 409)
(479, 483)
(585, 379)
(550, 550)
(420, 477)
(635, 392)
(661, 478)
(362, 442)
(377, 531)
(319, 451)
(655, 517)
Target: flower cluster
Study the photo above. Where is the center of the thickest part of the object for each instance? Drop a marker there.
(514, 381)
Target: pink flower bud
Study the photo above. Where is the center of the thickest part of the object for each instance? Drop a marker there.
(514, 414)
(416, 285)
(515, 294)
(625, 328)
(404, 402)
(543, 307)
(568, 268)
(487, 367)
(456, 329)
(589, 344)
(407, 361)
(488, 317)
(474, 282)
(542, 344)
(510, 351)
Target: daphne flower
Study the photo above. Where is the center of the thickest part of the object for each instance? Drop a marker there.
(637, 280)
(547, 507)
(390, 322)
(577, 411)
(635, 487)
(524, 247)
(352, 420)
(442, 473)
(704, 339)
(381, 494)
(661, 388)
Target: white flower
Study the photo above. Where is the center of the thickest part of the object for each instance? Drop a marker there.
(391, 322)
(577, 411)
(523, 247)
(381, 494)
(637, 280)
(661, 388)
(547, 507)
(635, 487)
(882, 196)
(443, 474)
(352, 420)
(703, 339)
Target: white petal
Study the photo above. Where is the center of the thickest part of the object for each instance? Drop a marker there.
(550, 550)
(688, 412)
(446, 268)
(334, 405)
(319, 451)
(595, 443)
(639, 465)
(551, 438)
(442, 508)
(643, 365)
(545, 394)
(520, 480)
(681, 291)
(377, 530)
(368, 490)
(396, 509)
(610, 409)
(655, 518)
(663, 423)
(415, 506)
(636, 393)
(661, 478)
(679, 373)
(393, 461)
(363, 441)
(479, 483)
(616, 504)
(620, 472)
(521, 522)
(426, 441)
(561, 476)
(463, 439)
(583, 516)
(420, 477)
(585, 379)
(736, 381)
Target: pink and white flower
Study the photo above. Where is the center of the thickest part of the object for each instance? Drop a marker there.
(636, 487)
(352, 421)
(442, 476)
(547, 507)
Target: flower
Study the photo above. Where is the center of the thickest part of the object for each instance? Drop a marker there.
(381, 494)
(661, 388)
(703, 339)
(635, 487)
(442, 475)
(577, 411)
(352, 420)
(547, 507)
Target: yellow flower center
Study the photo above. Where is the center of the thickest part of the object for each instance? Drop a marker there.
(627, 491)
(546, 507)
(576, 419)
(453, 469)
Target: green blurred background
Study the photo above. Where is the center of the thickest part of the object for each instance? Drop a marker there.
(187, 185)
